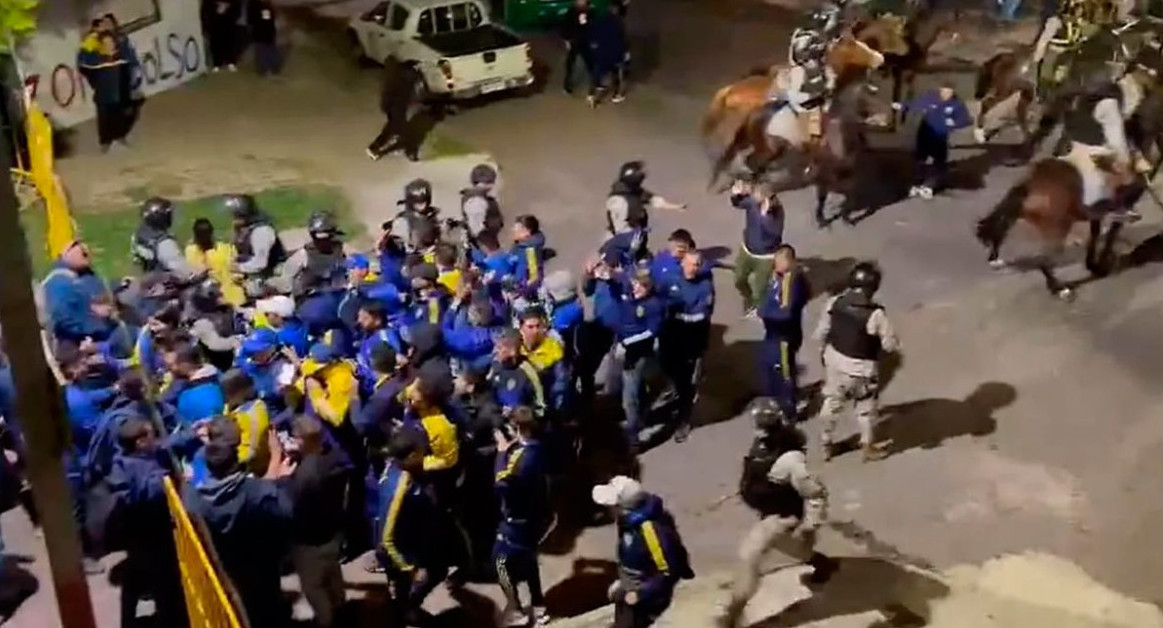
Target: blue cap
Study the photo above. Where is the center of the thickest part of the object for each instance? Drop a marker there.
(358, 261)
(322, 352)
(259, 341)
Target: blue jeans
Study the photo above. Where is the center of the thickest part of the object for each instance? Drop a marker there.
(633, 370)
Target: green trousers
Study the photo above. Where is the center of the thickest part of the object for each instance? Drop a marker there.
(752, 276)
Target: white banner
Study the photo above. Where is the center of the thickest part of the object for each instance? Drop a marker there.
(167, 35)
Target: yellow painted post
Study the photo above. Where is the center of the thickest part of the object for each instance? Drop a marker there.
(60, 230)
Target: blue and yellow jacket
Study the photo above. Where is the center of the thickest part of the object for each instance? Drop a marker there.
(639, 320)
(383, 406)
(690, 300)
(472, 345)
(528, 262)
(548, 358)
(409, 537)
(521, 488)
(650, 551)
(783, 309)
(430, 309)
(517, 384)
(254, 422)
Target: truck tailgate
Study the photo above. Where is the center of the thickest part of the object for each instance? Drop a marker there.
(485, 57)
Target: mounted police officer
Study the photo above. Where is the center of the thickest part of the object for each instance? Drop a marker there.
(628, 202)
(154, 247)
(855, 332)
(478, 207)
(808, 81)
(258, 248)
(791, 502)
(417, 212)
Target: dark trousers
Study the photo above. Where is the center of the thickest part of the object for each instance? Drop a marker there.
(778, 373)
(267, 58)
(640, 615)
(223, 43)
(932, 145)
(594, 342)
(394, 135)
(514, 567)
(409, 590)
(577, 52)
(611, 79)
(112, 122)
(321, 578)
(151, 571)
(681, 353)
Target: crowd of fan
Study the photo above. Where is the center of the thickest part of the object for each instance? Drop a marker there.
(416, 400)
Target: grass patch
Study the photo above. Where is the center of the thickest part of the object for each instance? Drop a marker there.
(108, 230)
(438, 145)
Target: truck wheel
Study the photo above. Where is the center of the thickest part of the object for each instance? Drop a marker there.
(357, 51)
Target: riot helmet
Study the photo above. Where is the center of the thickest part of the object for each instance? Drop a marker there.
(632, 173)
(483, 174)
(207, 296)
(865, 278)
(242, 207)
(322, 226)
(158, 212)
(765, 413)
(418, 191)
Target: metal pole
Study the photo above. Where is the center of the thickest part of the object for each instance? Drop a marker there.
(41, 411)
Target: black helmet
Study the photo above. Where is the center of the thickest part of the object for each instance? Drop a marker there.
(206, 295)
(241, 206)
(865, 277)
(632, 173)
(322, 225)
(483, 174)
(418, 191)
(765, 413)
(157, 212)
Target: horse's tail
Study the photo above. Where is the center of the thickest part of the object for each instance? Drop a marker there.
(992, 229)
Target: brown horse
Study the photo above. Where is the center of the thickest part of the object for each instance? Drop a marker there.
(1004, 77)
(737, 116)
(1051, 200)
(906, 43)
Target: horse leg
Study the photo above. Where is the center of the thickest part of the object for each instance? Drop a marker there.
(1092, 246)
(822, 221)
(1046, 266)
(987, 103)
(1106, 259)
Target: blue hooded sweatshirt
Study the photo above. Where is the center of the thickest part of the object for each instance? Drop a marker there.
(528, 261)
(68, 295)
(651, 552)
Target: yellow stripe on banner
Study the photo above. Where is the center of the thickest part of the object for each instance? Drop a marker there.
(784, 365)
(206, 601)
(655, 547)
(390, 523)
(511, 466)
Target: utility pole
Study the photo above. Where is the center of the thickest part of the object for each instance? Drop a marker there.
(41, 412)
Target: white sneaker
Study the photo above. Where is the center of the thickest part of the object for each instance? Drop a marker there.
(371, 154)
(751, 313)
(979, 135)
(914, 191)
(926, 192)
(541, 617)
(517, 620)
(617, 98)
(214, 70)
(232, 68)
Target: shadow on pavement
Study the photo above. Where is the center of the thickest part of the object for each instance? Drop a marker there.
(17, 584)
(861, 585)
(583, 590)
(927, 423)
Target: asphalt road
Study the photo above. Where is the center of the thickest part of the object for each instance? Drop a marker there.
(1019, 422)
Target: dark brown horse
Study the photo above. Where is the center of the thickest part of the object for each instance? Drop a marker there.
(1003, 77)
(1051, 200)
(920, 32)
(736, 120)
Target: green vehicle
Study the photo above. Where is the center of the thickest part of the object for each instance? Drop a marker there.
(535, 15)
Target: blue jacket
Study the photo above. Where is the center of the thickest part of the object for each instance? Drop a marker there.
(85, 407)
(408, 527)
(651, 551)
(106, 82)
(8, 400)
(265, 378)
(363, 359)
(517, 385)
(639, 320)
(104, 443)
(664, 269)
(468, 343)
(519, 477)
(528, 262)
(608, 46)
(431, 309)
(67, 296)
(941, 116)
(200, 397)
(293, 334)
(627, 247)
(605, 302)
(565, 317)
(383, 406)
(147, 356)
(249, 523)
(143, 518)
(691, 300)
(783, 310)
(762, 231)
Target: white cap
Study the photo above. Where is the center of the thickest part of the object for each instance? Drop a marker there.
(619, 491)
(279, 305)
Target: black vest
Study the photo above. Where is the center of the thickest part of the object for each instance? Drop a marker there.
(636, 215)
(1080, 125)
(848, 333)
(493, 222)
(323, 272)
(244, 250)
(764, 496)
(143, 247)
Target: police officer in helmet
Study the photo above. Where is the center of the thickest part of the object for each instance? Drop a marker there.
(417, 211)
(478, 207)
(154, 247)
(792, 504)
(628, 202)
(321, 265)
(855, 332)
(256, 243)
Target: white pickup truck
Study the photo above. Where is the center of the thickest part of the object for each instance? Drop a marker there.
(460, 52)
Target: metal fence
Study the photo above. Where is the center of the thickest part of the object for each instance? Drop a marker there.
(206, 601)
